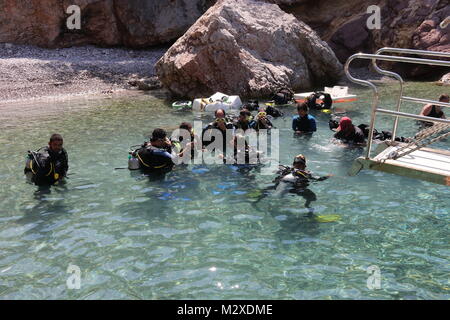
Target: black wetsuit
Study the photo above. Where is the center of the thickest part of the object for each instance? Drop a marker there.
(208, 138)
(434, 114)
(298, 187)
(357, 136)
(244, 125)
(60, 161)
(257, 125)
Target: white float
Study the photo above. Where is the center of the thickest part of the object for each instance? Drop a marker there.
(217, 101)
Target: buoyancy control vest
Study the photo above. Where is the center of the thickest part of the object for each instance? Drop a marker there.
(43, 167)
(154, 159)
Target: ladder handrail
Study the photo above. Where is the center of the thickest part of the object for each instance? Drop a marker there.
(374, 88)
(399, 78)
(417, 100)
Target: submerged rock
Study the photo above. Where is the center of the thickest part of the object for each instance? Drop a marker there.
(248, 48)
(145, 84)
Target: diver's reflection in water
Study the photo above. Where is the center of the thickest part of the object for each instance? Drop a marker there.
(161, 192)
(274, 200)
(283, 188)
(45, 208)
(44, 190)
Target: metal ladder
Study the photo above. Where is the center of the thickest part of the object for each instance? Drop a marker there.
(379, 55)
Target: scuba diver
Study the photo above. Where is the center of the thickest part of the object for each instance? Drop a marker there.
(365, 128)
(304, 123)
(327, 101)
(244, 120)
(349, 133)
(181, 146)
(154, 156)
(295, 180)
(48, 165)
(251, 105)
(243, 152)
(433, 111)
(222, 124)
(273, 112)
(283, 96)
(261, 122)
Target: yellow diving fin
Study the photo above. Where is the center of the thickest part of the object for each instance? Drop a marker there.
(327, 218)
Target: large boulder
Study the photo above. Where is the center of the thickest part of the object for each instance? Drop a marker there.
(249, 48)
(151, 22)
(30, 22)
(133, 23)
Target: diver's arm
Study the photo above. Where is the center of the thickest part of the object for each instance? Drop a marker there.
(294, 124)
(65, 163)
(320, 178)
(426, 110)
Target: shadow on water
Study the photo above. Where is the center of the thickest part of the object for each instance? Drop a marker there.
(297, 218)
(156, 193)
(49, 205)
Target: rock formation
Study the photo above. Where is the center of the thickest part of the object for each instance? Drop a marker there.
(410, 24)
(249, 48)
(133, 23)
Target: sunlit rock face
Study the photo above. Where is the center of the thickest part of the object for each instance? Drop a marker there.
(249, 48)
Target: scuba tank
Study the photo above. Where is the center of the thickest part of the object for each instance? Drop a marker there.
(133, 162)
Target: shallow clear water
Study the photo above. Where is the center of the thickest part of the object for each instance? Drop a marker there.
(199, 234)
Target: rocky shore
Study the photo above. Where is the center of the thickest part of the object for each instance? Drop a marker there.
(29, 72)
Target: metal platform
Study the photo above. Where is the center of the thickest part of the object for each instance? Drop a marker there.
(426, 164)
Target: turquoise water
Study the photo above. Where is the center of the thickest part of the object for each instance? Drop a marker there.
(199, 234)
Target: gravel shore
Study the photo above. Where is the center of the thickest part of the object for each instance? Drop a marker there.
(29, 73)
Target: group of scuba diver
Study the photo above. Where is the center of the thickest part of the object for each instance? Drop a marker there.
(49, 165)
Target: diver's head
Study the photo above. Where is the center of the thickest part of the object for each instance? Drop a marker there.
(244, 115)
(299, 162)
(444, 98)
(220, 119)
(220, 114)
(345, 125)
(187, 126)
(56, 143)
(159, 137)
(262, 116)
(302, 109)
